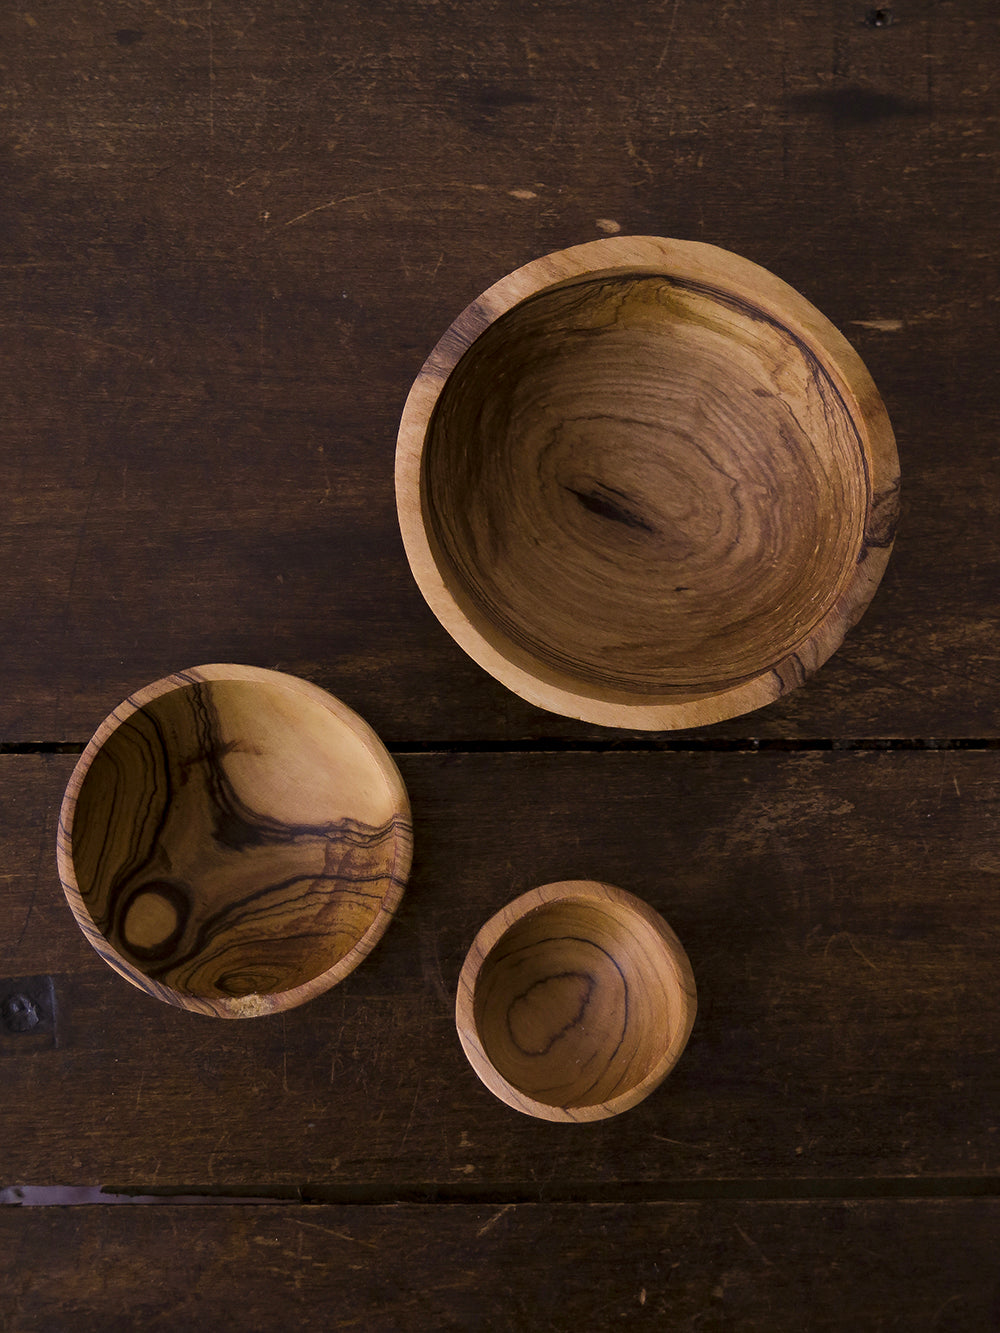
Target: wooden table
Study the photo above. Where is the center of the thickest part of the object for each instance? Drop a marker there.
(231, 234)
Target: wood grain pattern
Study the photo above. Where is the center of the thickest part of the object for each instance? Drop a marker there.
(646, 484)
(229, 239)
(209, 337)
(877, 1266)
(575, 1001)
(234, 840)
(839, 910)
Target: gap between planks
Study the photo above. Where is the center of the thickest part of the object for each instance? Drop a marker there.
(626, 745)
(804, 1189)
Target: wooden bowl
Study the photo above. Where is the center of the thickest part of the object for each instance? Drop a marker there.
(575, 1001)
(645, 483)
(234, 841)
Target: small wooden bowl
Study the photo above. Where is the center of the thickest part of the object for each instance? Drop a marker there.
(575, 1001)
(234, 841)
(645, 483)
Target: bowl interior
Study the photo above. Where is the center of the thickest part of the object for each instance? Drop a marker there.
(232, 837)
(643, 486)
(577, 1002)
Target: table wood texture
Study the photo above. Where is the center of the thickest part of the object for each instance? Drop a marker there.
(229, 238)
(759, 1265)
(232, 238)
(839, 912)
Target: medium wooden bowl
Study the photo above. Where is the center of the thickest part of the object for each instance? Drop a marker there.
(575, 1001)
(233, 840)
(645, 483)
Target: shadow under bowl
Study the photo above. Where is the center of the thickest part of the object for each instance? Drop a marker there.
(645, 483)
(234, 840)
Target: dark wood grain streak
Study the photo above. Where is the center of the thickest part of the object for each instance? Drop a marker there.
(839, 911)
(232, 837)
(762, 1267)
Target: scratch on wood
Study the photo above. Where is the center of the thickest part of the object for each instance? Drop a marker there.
(936, 1320)
(880, 325)
(409, 1123)
(223, 1142)
(81, 337)
(670, 34)
(211, 76)
(383, 189)
(430, 966)
(324, 499)
(845, 935)
(754, 1246)
(31, 908)
(488, 1226)
(175, 19)
(339, 1235)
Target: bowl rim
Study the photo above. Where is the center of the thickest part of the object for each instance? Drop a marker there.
(526, 905)
(251, 1005)
(729, 275)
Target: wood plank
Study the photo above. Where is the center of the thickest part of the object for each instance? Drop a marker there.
(871, 1265)
(839, 911)
(230, 244)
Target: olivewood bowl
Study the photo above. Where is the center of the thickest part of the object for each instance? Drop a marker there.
(645, 483)
(575, 1001)
(233, 840)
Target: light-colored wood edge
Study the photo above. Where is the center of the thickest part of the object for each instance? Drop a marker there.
(691, 262)
(244, 1006)
(494, 930)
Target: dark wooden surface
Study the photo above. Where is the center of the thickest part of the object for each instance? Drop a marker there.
(228, 238)
(231, 239)
(688, 1266)
(839, 910)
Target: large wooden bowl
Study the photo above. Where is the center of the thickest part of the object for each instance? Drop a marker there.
(575, 1001)
(646, 483)
(233, 840)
